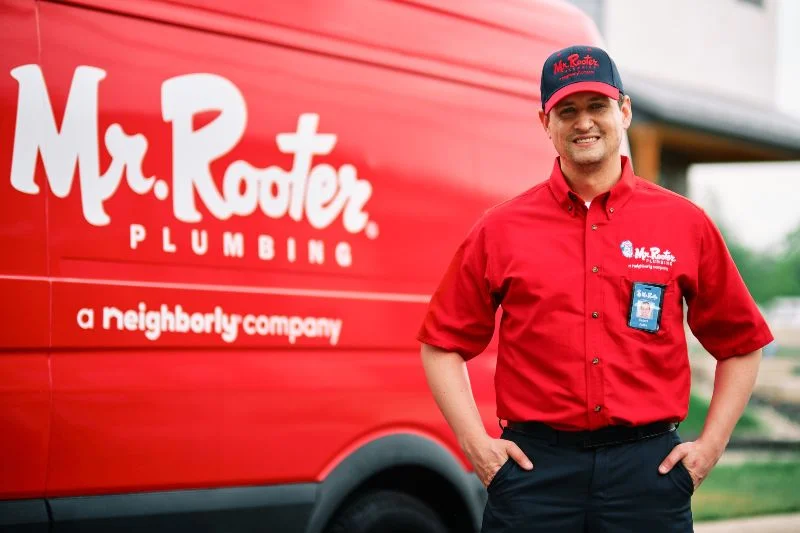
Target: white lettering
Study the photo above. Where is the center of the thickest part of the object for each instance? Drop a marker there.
(75, 143)
(295, 328)
(112, 313)
(241, 174)
(196, 322)
(249, 324)
(233, 244)
(274, 205)
(654, 256)
(199, 242)
(168, 245)
(279, 325)
(154, 322)
(323, 205)
(360, 191)
(231, 327)
(181, 320)
(131, 320)
(319, 193)
(266, 247)
(193, 150)
(344, 257)
(86, 318)
(305, 143)
(262, 325)
(167, 319)
(138, 235)
(316, 252)
(291, 250)
(152, 325)
(335, 330)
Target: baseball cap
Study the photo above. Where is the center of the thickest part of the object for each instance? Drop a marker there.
(575, 69)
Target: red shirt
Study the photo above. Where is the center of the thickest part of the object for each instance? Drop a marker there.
(564, 276)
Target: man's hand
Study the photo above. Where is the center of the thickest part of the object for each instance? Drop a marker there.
(488, 455)
(697, 456)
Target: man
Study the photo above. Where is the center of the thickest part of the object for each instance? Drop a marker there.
(591, 268)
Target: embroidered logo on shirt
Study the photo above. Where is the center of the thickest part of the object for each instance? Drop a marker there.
(627, 249)
(651, 258)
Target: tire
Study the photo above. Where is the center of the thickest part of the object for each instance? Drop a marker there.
(387, 511)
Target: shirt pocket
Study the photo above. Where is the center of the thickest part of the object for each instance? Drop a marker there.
(665, 309)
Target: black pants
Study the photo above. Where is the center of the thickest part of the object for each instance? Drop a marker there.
(598, 490)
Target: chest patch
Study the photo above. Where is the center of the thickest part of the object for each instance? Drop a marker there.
(647, 257)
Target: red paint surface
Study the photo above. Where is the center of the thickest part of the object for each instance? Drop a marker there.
(436, 110)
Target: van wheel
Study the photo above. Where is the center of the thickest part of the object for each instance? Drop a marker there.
(387, 511)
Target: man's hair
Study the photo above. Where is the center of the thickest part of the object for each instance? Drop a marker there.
(621, 100)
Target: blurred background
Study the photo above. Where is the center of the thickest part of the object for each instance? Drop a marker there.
(715, 88)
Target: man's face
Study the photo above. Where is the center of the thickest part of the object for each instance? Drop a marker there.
(587, 128)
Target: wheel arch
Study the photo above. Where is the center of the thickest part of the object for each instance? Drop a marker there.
(407, 462)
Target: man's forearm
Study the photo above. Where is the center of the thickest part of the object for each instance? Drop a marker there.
(733, 384)
(449, 382)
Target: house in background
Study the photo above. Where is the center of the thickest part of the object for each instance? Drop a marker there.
(702, 77)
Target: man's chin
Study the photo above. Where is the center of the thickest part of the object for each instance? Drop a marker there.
(587, 159)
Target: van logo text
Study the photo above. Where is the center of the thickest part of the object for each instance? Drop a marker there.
(318, 194)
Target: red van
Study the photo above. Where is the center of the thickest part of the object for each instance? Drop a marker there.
(220, 224)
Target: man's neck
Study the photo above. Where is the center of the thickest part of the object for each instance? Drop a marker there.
(590, 181)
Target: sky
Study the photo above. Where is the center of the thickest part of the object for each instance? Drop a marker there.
(760, 202)
(758, 217)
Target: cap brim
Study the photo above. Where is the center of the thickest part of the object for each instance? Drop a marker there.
(579, 87)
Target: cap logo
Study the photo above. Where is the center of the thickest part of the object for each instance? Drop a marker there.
(576, 62)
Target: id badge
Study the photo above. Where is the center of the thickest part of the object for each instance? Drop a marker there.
(644, 312)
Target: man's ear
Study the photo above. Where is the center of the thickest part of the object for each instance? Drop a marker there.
(544, 118)
(627, 112)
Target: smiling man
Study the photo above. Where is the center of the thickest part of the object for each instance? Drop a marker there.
(592, 268)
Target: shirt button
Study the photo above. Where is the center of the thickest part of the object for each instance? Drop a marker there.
(569, 208)
(610, 209)
(595, 360)
(594, 226)
(597, 408)
(595, 314)
(595, 270)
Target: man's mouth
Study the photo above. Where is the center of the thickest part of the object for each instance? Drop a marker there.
(586, 139)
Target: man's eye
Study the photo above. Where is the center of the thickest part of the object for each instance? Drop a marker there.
(567, 111)
(598, 106)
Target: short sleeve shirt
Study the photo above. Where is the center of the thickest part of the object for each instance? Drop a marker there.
(592, 325)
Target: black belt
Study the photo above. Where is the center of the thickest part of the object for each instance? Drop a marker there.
(607, 436)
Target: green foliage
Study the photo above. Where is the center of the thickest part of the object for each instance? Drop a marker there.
(768, 276)
(690, 428)
(748, 489)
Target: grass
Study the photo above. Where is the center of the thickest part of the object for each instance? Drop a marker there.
(698, 408)
(747, 490)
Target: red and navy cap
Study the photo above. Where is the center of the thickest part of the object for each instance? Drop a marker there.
(576, 69)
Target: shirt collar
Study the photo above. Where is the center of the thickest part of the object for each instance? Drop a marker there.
(613, 200)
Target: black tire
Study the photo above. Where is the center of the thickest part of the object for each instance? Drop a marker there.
(387, 511)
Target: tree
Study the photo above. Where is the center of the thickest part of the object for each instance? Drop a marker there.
(768, 276)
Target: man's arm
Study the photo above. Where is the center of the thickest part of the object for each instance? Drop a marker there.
(733, 384)
(448, 380)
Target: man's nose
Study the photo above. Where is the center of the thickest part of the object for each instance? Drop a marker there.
(584, 122)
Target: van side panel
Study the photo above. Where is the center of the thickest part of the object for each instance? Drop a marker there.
(24, 305)
(334, 295)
